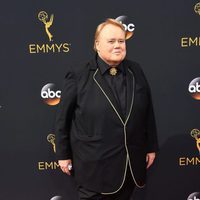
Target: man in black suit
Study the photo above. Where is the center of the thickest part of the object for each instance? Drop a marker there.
(105, 125)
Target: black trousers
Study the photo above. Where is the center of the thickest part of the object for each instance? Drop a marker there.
(124, 193)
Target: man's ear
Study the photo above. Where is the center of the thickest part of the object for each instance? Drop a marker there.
(97, 45)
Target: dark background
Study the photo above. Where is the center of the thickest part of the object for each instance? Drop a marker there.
(25, 120)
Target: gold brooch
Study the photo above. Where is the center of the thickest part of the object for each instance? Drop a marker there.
(113, 71)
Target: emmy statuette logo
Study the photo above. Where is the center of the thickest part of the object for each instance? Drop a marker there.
(43, 17)
(51, 139)
(195, 133)
(191, 41)
(50, 165)
(197, 8)
(192, 160)
(53, 45)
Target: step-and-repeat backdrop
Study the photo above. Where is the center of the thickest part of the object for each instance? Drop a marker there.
(40, 39)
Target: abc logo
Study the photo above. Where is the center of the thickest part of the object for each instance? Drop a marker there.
(50, 94)
(194, 88)
(194, 196)
(129, 27)
(56, 198)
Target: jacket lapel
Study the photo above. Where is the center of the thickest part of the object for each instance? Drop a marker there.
(106, 90)
(130, 84)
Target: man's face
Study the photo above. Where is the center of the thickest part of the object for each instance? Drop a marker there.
(110, 44)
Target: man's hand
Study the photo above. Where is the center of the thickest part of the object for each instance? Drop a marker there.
(150, 158)
(65, 165)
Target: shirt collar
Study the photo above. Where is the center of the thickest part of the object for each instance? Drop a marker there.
(103, 66)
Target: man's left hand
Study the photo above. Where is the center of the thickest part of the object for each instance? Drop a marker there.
(150, 158)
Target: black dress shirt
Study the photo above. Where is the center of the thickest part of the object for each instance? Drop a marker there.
(117, 83)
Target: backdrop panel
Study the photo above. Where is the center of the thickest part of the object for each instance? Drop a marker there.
(41, 39)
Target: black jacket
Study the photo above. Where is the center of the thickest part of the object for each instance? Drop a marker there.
(91, 131)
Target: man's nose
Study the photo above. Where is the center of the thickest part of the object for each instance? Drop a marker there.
(117, 44)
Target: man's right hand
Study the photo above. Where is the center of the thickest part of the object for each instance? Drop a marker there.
(64, 165)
